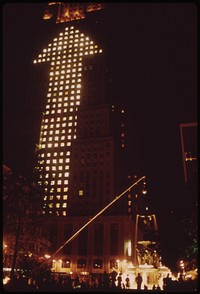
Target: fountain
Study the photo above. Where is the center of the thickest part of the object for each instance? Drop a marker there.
(146, 257)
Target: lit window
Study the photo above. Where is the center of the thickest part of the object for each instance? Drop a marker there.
(80, 193)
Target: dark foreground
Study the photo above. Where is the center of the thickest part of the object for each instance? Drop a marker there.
(186, 287)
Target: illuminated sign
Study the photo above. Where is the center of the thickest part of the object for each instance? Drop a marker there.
(65, 12)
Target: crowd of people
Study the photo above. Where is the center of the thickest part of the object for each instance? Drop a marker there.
(99, 282)
(66, 283)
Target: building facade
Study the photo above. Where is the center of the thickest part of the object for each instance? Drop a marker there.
(188, 133)
(81, 141)
(99, 247)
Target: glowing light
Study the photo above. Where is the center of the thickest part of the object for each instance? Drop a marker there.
(60, 76)
(129, 249)
(6, 280)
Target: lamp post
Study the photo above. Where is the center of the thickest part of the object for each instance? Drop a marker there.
(135, 204)
(98, 214)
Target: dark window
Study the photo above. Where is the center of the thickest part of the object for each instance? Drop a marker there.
(53, 232)
(68, 232)
(98, 239)
(66, 263)
(114, 239)
(98, 263)
(82, 242)
(113, 264)
(81, 263)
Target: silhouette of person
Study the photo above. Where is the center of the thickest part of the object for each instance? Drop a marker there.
(138, 280)
(127, 282)
(119, 280)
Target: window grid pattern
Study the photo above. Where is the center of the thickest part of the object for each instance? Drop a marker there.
(59, 121)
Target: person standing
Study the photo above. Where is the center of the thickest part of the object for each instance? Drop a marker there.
(119, 281)
(127, 282)
(138, 280)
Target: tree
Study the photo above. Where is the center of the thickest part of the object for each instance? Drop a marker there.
(190, 250)
(22, 218)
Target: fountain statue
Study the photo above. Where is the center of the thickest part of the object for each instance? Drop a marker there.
(147, 261)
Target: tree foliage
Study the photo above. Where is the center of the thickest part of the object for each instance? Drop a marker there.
(190, 252)
(22, 217)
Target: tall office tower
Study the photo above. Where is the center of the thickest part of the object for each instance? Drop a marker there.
(81, 140)
(76, 143)
(61, 118)
(92, 157)
(82, 135)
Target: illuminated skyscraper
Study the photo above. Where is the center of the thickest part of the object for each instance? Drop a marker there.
(76, 144)
(81, 139)
(59, 128)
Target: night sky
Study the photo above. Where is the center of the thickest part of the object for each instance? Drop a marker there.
(155, 77)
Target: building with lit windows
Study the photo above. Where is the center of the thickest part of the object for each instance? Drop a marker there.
(80, 143)
(61, 119)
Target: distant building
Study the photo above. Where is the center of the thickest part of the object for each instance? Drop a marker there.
(188, 133)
